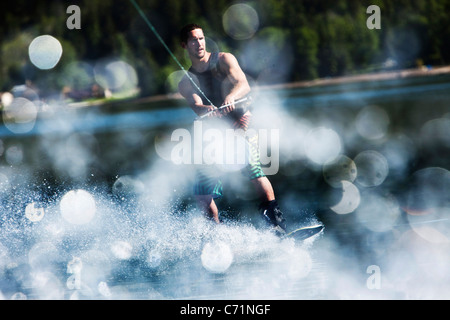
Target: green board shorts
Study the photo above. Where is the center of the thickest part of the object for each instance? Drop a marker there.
(208, 178)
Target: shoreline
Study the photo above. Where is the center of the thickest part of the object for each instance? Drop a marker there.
(376, 76)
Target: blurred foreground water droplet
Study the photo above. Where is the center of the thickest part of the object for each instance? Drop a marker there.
(45, 52)
(34, 213)
(78, 207)
(216, 257)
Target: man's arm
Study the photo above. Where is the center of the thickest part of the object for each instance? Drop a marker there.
(193, 99)
(238, 84)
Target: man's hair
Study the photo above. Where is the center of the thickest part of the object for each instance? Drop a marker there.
(184, 33)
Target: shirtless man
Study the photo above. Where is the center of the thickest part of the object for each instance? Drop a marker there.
(222, 82)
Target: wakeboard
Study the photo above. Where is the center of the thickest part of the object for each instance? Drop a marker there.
(304, 233)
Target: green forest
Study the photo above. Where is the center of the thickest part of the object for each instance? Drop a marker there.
(288, 40)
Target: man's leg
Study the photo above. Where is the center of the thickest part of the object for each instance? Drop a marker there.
(208, 206)
(264, 188)
(269, 206)
(207, 186)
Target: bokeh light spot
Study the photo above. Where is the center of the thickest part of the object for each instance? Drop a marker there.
(240, 21)
(115, 75)
(372, 123)
(350, 199)
(372, 168)
(172, 81)
(378, 213)
(6, 98)
(216, 257)
(341, 168)
(20, 115)
(78, 207)
(34, 213)
(427, 192)
(45, 52)
(322, 145)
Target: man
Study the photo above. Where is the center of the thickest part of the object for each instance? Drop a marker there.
(219, 80)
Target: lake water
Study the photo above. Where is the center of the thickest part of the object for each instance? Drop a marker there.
(93, 207)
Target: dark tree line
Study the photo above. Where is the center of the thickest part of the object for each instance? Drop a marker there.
(295, 39)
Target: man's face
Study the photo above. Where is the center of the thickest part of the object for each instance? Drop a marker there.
(196, 44)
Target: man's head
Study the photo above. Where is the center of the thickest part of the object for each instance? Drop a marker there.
(193, 40)
(186, 30)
